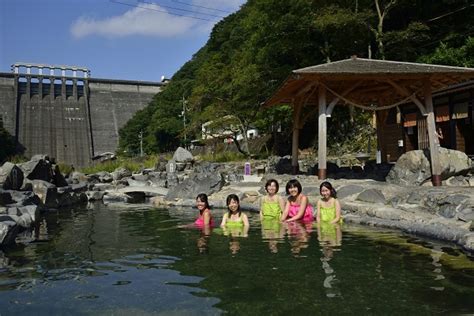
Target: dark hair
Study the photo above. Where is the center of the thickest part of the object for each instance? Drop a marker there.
(328, 186)
(269, 183)
(231, 197)
(293, 184)
(203, 198)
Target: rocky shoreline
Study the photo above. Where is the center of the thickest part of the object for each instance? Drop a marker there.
(444, 213)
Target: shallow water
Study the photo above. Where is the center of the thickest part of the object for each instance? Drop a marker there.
(110, 261)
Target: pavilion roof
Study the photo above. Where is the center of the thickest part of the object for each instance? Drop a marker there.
(367, 82)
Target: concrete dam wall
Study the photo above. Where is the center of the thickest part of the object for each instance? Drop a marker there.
(69, 118)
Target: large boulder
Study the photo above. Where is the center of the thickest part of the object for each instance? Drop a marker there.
(197, 183)
(11, 177)
(414, 168)
(37, 170)
(182, 155)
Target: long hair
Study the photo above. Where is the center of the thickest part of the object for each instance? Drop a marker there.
(328, 186)
(234, 197)
(203, 198)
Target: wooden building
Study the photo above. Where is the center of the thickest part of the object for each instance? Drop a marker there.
(404, 128)
(401, 94)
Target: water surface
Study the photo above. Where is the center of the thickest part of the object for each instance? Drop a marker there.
(120, 261)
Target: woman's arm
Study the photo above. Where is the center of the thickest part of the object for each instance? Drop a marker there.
(318, 211)
(245, 220)
(300, 214)
(338, 212)
(286, 211)
(261, 207)
(207, 217)
(282, 204)
(224, 220)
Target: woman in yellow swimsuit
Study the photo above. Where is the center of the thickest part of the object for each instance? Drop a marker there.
(328, 207)
(271, 205)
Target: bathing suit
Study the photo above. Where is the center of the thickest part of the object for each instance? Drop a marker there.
(271, 209)
(200, 220)
(328, 213)
(308, 212)
(237, 223)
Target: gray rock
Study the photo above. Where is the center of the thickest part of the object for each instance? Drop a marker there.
(114, 197)
(348, 190)
(182, 155)
(121, 173)
(57, 177)
(95, 195)
(22, 198)
(8, 231)
(102, 187)
(11, 176)
(137, 183)
(140, 177)
(5, 197)
(372, 196)
(171, 180)
(414, 198)
(447, 210)
(161, 164)
(37, 170)
(455, 199)
(47, 192)
(136, 197)
(413, 167)
(79, 187)
(195, 184)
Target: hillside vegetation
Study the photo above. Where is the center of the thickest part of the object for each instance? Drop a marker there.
(251, 52)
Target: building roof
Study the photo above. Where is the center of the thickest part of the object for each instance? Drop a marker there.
(367, 82)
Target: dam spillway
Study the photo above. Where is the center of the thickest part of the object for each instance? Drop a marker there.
(66, 115)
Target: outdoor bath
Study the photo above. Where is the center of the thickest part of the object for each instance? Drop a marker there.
(111, 260)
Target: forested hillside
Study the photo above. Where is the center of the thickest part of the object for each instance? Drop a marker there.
(251, 52)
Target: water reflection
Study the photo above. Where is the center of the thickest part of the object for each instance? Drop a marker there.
(299, 236)
(330, 238)
(273, 231)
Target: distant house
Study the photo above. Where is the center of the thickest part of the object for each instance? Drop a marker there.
(225, 128)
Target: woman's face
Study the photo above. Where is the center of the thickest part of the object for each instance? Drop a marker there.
(325, 192)
(293, 191)
(201, 205)
(272, 188)
(233, 206)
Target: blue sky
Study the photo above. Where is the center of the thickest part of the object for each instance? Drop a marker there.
(117, 39)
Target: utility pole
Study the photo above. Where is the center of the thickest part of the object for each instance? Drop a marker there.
(140, 137)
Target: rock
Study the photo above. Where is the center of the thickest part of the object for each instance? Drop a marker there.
(77, 177)
(102, 187)
(161, 164)
(120, 173)
(79, 187)
(413, 167)
(24, 198)
(283, 166)
(57, 177)
(372, 196)
(32, 210)
(8, 230)
(455, 199)
(140, 177)
(250, 196)
(37, 170)
(11, 176)
(447, 210)
(136, 197)
(171, 180)
(466, 215)
(136, 183)
(414, 198)
(457, 181)
(47, 192)
(114, 197)
(195, 184)
(95, 195)
(348, 190)
(5, 197)
(182, 155)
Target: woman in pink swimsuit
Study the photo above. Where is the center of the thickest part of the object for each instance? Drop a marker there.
(298, 207)
(205, 217)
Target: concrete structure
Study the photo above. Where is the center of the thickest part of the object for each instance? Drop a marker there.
(62, 112)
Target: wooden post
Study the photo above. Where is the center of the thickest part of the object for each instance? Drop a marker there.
(297, 105)
(430, 122)
(322, 133)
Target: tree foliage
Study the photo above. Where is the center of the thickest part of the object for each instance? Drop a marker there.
(251, 52)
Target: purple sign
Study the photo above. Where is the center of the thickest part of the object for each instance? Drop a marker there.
(247, 169)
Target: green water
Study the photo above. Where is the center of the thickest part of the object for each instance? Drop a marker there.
(119, 262)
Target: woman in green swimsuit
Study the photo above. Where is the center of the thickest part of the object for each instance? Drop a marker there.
(271, 205)
(328, 208)
(234, 217)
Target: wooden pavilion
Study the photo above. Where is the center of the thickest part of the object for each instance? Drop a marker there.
(375, 85)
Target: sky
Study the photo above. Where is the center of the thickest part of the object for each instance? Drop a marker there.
(114, 39)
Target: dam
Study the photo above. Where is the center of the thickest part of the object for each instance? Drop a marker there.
(63, 112)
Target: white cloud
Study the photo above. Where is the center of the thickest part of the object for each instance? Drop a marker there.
(143, 20)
